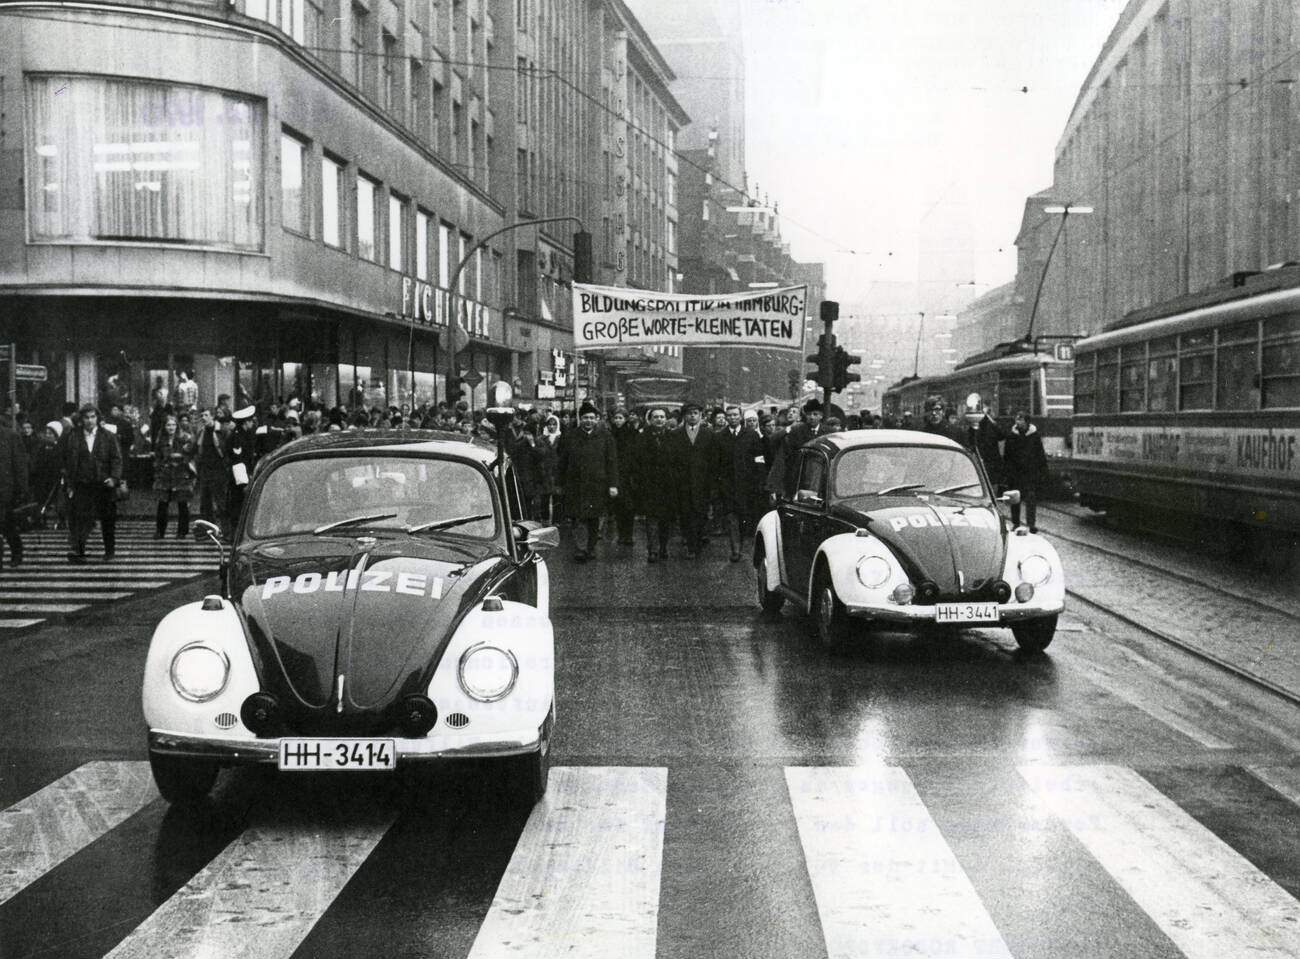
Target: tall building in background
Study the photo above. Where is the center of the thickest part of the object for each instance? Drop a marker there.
(702, 41)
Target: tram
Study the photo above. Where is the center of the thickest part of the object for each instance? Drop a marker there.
(1188, 413)
(1010, 377)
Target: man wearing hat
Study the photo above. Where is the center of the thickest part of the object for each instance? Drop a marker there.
(241, 458)
(694, 452)
(588, 471)
(92, 466)
(785, 466)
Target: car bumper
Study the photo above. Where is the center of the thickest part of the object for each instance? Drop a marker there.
(1008, 614)
(228, 751)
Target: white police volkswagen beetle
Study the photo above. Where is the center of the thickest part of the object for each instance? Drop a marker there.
(384, 603)
(901, 527)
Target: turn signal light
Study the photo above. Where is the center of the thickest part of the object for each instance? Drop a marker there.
(1024, 592)
(902, 594)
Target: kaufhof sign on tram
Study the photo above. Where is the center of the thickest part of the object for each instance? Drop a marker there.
(607, 316)
(1230, 450)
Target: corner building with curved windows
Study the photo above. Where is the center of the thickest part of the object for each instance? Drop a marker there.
(274, 197)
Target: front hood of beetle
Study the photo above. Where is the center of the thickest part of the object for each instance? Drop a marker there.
(960, 548)
(379, 613)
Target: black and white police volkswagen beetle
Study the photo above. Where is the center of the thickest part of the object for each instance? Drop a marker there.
(901, 527)
(384, 602)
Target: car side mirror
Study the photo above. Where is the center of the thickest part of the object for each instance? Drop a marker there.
(530, 535)
(213, 532)
(807, 497)
(1010, 497)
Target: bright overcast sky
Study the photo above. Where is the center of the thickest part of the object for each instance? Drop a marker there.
(864, 114)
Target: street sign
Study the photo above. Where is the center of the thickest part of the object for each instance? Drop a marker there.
(30, 373)
(1064, 352)
(473, 378)
(5, 353)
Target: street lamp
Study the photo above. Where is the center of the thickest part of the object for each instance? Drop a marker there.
(1064, 209)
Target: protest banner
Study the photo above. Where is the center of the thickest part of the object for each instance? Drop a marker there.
(606, 316)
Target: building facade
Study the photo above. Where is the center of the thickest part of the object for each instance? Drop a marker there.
(1185, 141)
(316, 198)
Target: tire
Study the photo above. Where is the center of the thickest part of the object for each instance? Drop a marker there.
(769, 601)
(830, 617)
(181, 781)
(530, 774)
(1035, 635)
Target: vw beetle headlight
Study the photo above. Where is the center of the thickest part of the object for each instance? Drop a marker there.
(1035, 569)
(199, 672)
(488, 673)
(873, 572)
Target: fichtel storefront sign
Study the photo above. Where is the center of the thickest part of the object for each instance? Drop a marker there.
(431, 306)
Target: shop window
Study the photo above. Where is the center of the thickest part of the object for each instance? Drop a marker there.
(445, 234)
(367, 214)
(331, 180)
(120, 160)
(294, 211)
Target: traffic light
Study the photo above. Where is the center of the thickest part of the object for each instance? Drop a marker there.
(582, 263)
(823, 361)
(843, 360)
(455, 389)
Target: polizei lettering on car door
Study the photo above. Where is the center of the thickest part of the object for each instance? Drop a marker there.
(371, 581)
(923, 518)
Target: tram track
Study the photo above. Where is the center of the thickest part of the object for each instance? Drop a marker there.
(1128, 617)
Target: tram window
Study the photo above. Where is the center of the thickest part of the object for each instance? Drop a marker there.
(1192, 341)
(1238, 379)
(1196, 381)
(1247, 332)
(1108, 381)
(1132, 379)
(1162, 384)
(1085, 390)
(1281, 371)
(1281, 325)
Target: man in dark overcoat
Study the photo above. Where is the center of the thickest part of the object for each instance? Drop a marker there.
(1025, 463)
(654, 476)
(92, 465)
(786, 465)
(625, 438)
(13, 489)
(984, 438)
(588, 468)
(241, 454)
(695, 454)
(740, 450)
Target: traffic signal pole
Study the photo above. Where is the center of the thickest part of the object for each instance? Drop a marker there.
(830, 312)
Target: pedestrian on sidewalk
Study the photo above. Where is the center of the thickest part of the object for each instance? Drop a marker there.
(14, 491)
(173, 476)
(92, 468)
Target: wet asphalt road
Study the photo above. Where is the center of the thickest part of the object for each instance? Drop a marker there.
(671, 668)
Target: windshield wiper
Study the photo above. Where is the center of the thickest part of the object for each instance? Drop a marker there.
(953, 489)
(351, 521)
(447, 523)
(897, 489)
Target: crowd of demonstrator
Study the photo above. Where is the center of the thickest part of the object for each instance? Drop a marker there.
(682, 469)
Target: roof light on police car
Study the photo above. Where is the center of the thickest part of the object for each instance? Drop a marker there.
(488, 673)
(199, 672)
(1035, 569)
(873, 572)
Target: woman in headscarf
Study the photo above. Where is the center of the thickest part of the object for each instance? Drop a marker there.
(546, 466)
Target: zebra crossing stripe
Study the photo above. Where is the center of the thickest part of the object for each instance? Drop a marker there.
(260, 896)
(584, 878)
(12, 586)
(42, 607)
(7, 600)
(18, 623)
(66, 816)
(1206, 897)
(1283, 779)
(885, 881)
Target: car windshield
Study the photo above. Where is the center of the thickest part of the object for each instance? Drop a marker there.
(878, 470)
(373, 491)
